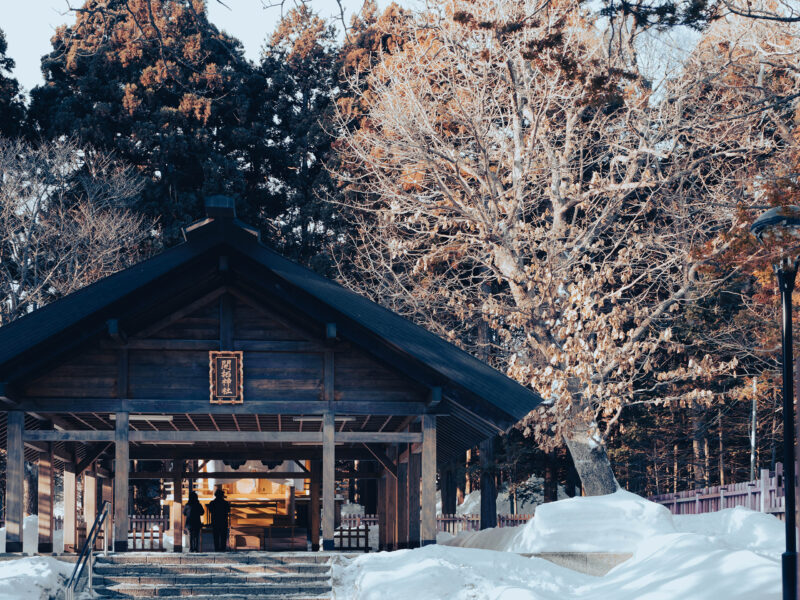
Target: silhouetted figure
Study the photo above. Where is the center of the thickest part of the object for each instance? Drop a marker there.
(219, 509)
(194, 511)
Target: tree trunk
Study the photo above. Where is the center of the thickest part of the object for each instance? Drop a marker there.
(698, 448)
(592, 464)
(467, 480)
(550, 479)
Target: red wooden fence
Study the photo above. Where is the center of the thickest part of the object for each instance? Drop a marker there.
(765, 494)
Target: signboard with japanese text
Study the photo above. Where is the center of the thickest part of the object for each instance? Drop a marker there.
(225, 375)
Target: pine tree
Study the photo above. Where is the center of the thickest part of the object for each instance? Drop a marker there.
(12, 109)
(165, 90)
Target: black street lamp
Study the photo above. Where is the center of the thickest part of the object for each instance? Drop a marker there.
(779, 229)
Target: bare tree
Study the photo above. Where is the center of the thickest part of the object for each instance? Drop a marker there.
(64, 222)
(514, 169)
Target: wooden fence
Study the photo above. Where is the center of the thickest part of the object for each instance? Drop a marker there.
(147, 532)
(449, 523)
(765, 494)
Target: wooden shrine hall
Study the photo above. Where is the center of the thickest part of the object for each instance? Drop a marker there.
(219, 349)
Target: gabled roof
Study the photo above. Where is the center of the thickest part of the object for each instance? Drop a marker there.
(490, 395)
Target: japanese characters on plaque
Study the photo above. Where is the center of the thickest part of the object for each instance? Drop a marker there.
(225, 376)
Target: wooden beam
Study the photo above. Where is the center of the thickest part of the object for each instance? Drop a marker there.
(93, 452)
(287, 403)
(327, 378)
(43, 447)
(166, 452)
(302, 467)
(15, 472)
(226, 322)
(428, 520)
(391, 509)
(328, 480)
(381, 457)
(226, 436)
(45, 500)
(81, 435)
(121, 469)
(382, 437)
(218, 475)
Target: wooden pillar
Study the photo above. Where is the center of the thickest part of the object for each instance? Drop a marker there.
(414, 476)
(449, 490)
(89, 498)
(428, 524)
(402, 504)
(70, 508)
(177, 508)
(391, 511)
(292, 509)
(121, 468)
(328, 481)
(313, 518)
(107, 494)
(382, 511)
(15, 472)
(46, 489)
(488, 487)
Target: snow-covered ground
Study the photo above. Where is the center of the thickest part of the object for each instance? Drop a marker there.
(733, 554)
(33, 578)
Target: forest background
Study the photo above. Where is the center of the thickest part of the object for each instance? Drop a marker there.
(562, 188)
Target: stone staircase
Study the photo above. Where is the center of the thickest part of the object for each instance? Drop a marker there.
(217, 576)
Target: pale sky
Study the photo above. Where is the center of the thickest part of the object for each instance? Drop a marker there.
(29, 25)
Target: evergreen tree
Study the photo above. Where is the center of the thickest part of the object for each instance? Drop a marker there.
(12, 110)
(165, 90)
(300, 67)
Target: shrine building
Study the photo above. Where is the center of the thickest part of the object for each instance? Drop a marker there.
(220, 363)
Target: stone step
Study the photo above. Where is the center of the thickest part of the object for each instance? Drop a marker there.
(169, 558)
(325, 596)
(200, 579)
(218, 591)
(104, 568)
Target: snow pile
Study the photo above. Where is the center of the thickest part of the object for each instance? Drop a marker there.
(34, 578)
(614, 523)
(30, 536)
(733, 554)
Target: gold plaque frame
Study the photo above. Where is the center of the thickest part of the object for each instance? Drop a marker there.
(215, 358)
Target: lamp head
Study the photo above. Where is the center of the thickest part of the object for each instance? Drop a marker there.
(779, 224)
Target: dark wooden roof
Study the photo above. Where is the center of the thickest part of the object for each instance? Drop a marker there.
(471, 388)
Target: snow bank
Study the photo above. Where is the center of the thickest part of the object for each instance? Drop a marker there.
(33, 578)
(472, 501)
(733, 554)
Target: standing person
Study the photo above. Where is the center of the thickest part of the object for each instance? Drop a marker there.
(194, 511)
(219, 509)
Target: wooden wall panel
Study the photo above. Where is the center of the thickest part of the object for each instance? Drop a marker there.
(282, 371)
(94, 370)
(358, 377)
(168, 374)
(203, 324)
(253, 324)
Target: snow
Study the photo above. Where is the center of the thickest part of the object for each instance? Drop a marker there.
(733, 554)
(32, 578)
(472, 501)
(30, 536)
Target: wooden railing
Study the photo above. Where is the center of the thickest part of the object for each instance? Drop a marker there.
(765, 494)
(147, 532)
(352, 537)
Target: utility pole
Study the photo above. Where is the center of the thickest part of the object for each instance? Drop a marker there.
(753, 435)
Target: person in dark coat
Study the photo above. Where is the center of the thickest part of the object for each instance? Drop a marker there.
(194, 511)
(219, 509)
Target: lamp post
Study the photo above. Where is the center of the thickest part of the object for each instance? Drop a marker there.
(780, 228)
